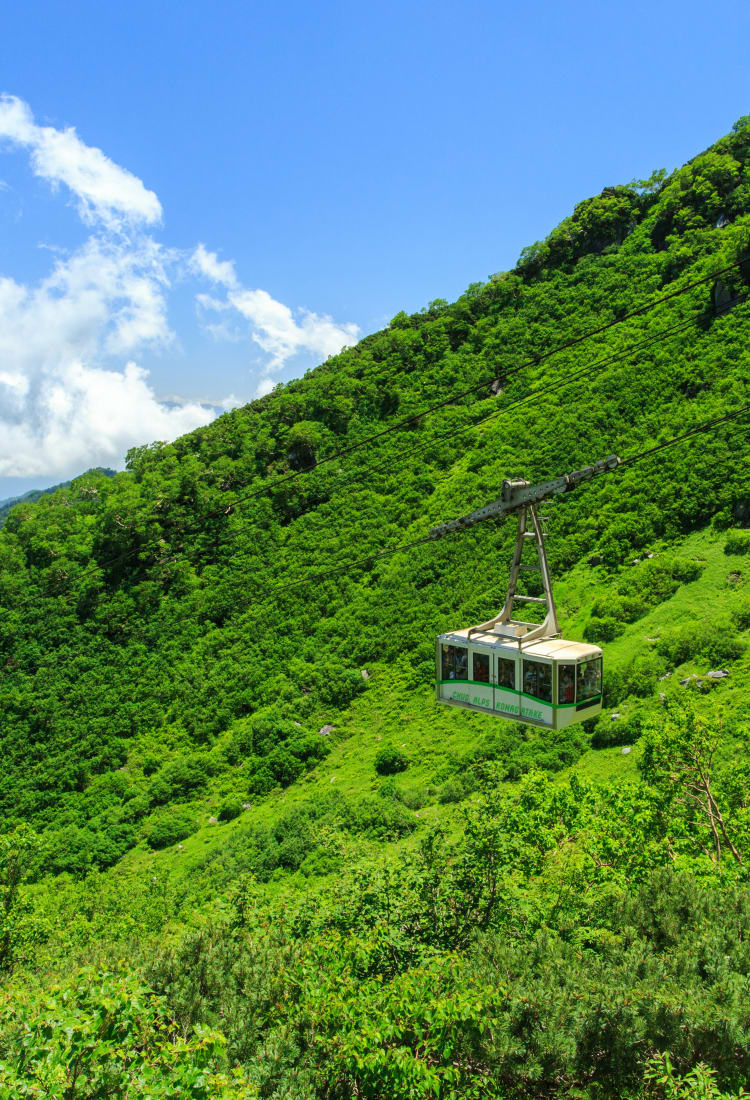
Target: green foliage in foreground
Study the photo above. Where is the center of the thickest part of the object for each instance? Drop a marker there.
(514, 962)
(108, 1035)
(242, 852)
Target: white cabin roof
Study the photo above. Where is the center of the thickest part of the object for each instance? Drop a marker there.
(558, 648)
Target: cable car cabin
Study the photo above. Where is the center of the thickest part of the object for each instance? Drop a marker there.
(547, 682)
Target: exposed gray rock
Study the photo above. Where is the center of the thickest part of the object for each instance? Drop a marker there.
(365, 674)
(246, 805)
(326, 731)
(741, 511)
(717, 674)
(626, 749)
(213, 820)
(615, 716)
(723, 298)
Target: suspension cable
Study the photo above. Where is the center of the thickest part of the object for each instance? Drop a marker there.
(452, 433)
(371, 559)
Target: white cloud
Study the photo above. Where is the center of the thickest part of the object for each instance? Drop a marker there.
(218, 271)
(281, 336)
(264, 386)
(105, 191)
(63, 405)
(60, 409)
(274, 327)
(71, 394)
(81, 416)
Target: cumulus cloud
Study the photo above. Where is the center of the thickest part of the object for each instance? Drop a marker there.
(63, 405)
(79, 415)
(71, 392)
(105, 192)
(61, 410)
(274, 327)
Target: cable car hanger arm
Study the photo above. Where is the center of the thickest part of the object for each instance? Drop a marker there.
(517, 494)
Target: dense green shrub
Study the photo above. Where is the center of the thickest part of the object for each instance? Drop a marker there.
(453, 790)
(741, 614)
(684, 642)
(603, 629)
(104, 1034)
(389, 760)
(642, 674)
(716, 642)
(738, 542)
(229, 809)
(178, 780)
(610, 731)
(169, 828)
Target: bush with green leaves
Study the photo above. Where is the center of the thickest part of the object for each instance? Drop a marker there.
(170, 827)
(179, 780)
(622, 730)
(389, 760)
(663, 1082)
(602, 629)
(715, 642)
(229, 809)
(738, 542)
(109, 1034)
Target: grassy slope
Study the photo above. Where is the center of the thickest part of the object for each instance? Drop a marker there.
(438, 740)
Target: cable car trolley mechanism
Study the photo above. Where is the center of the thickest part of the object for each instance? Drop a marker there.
(507, 666)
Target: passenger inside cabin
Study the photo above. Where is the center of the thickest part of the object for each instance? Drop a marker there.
(506, 674)
(566, 689)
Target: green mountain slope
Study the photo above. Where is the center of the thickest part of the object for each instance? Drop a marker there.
(195, 707)
(35, 494)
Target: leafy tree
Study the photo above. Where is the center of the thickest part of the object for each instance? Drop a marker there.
(678, 759)
(20, 858)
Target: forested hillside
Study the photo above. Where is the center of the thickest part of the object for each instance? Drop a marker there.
(243, 851)
(35, 494)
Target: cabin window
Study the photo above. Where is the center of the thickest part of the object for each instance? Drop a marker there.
(481, 667)
(566, 683)
(589, 679)
(506, 673)
(455, 662)
(537, 680)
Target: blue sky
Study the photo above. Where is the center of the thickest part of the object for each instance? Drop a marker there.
(250, 186)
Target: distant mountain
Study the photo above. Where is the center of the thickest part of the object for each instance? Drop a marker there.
(34, 494)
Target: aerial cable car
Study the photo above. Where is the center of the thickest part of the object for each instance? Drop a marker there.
(508, 667)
